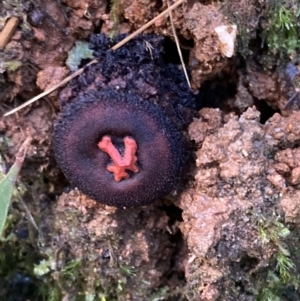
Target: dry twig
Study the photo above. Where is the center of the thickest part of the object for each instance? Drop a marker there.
(63, 82)
(8, 31)
(78, 72)
(178, 46)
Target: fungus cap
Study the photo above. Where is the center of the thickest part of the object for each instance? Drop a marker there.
(160, 148)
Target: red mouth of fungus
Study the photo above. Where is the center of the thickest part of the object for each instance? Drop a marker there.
(120, 164)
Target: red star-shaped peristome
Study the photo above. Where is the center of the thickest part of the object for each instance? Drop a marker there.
(121, 164)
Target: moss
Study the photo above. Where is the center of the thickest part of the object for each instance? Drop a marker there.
(284, 267)
(283, 26)
(115, 15)
(282, 271)
(267, 295)
(272, 23)
(12, 65)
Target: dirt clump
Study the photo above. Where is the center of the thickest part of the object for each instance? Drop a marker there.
(129, 247)
(234, 183)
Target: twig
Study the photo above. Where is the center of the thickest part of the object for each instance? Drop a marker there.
(63, 82)
(291, 100)
(29, 215)
(20, 156)
(8, 31)
(124, 41)
(178, 46)
(78, 72)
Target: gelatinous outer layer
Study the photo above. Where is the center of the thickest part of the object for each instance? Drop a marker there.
(87, 119)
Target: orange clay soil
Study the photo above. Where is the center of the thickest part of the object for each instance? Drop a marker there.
(121, 164)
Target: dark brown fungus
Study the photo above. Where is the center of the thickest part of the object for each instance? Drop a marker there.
(85, 122)
(118, 137)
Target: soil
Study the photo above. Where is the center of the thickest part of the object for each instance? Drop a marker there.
(228, 231)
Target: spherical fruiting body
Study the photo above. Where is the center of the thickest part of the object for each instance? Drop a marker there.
(83, 125)
(119, 137)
